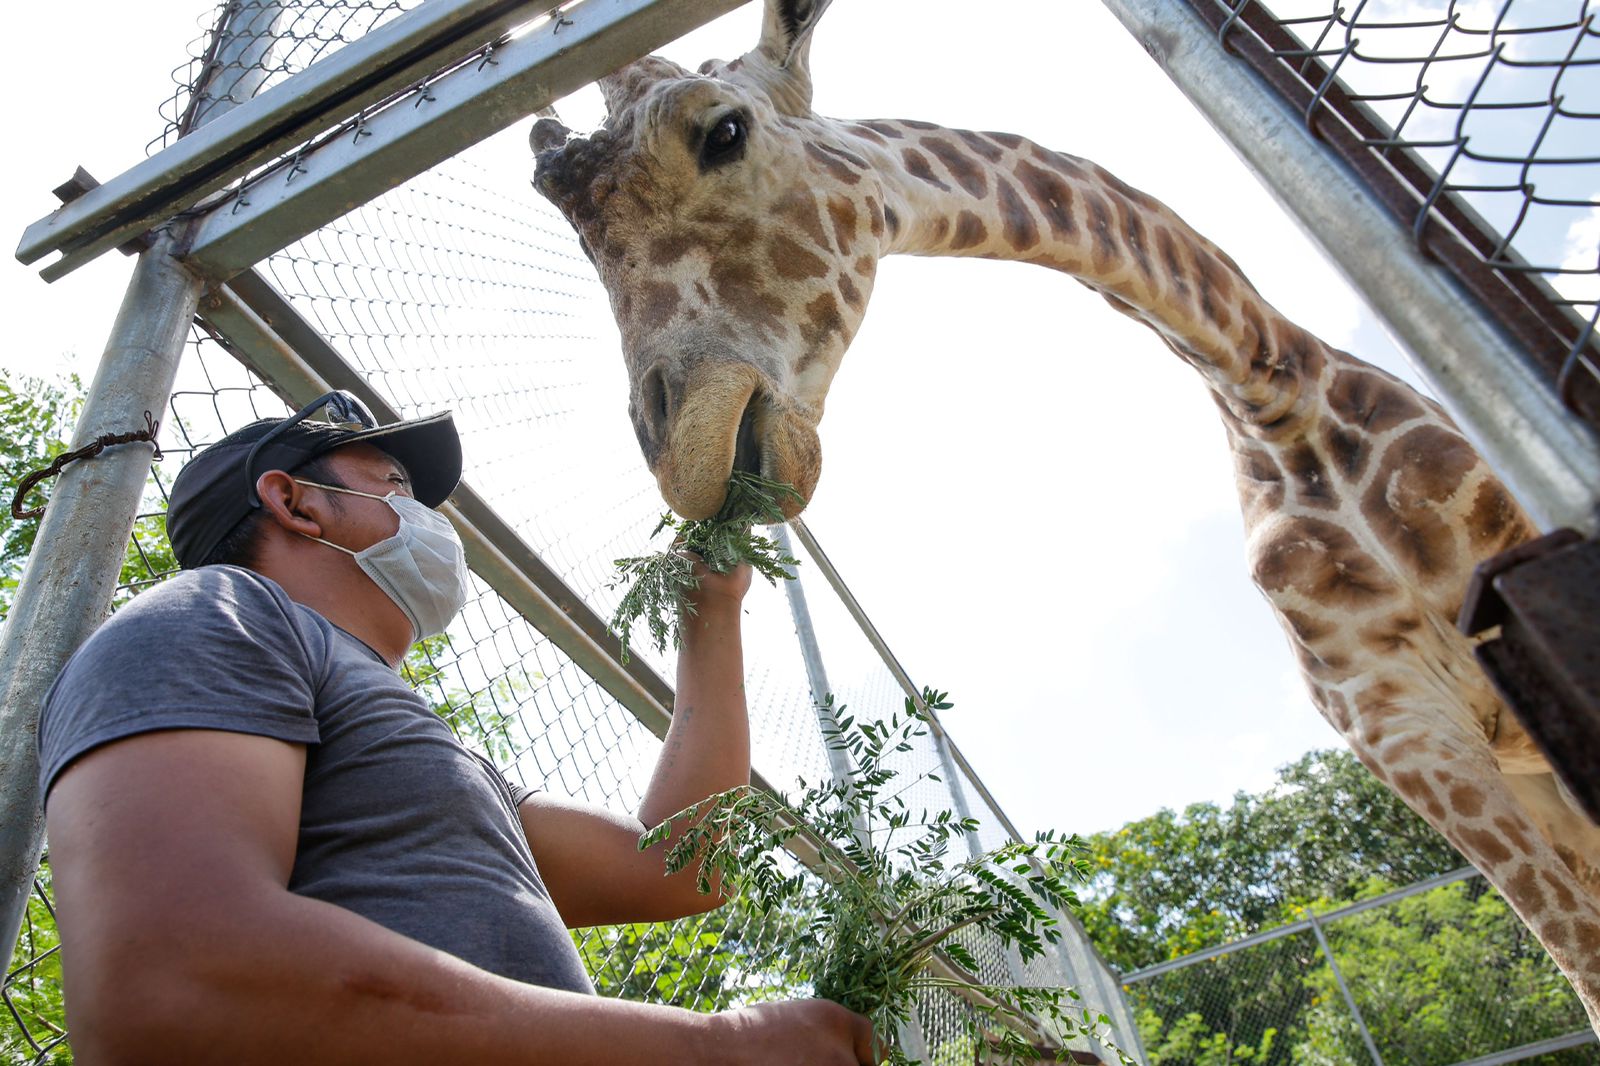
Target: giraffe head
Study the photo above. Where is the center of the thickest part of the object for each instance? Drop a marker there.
(738, 248)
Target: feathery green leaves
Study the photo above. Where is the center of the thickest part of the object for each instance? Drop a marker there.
(893, 911)
(659, 585)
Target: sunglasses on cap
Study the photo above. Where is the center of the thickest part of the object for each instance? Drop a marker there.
(341, 410)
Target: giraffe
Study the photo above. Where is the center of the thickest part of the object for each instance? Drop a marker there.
(738, 236)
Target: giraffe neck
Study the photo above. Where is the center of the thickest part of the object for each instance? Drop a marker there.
(999, 196)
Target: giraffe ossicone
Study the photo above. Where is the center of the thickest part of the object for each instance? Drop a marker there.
(738, 235)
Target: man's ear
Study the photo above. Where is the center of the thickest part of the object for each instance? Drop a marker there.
(290, 505)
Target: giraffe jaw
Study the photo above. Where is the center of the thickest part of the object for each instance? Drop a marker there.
(733, 422)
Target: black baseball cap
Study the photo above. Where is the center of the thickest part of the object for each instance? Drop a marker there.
(215, 491)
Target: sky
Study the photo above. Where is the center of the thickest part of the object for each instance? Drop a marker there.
(1027, 492)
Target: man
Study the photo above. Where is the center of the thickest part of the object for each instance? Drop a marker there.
(267, 849)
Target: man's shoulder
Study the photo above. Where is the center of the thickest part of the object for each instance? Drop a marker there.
(206, 613)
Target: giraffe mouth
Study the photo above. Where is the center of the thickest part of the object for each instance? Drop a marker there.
(746, 446)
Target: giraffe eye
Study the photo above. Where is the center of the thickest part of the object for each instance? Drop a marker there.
(724, 141)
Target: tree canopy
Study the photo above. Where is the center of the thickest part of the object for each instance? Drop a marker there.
(1439, 977)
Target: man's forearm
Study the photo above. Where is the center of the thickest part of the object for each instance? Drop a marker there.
(707, 747)
(306, 982)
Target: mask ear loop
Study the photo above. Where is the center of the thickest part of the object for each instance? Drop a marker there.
(349, 492)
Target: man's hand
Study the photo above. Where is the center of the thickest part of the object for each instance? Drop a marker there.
(807, 1032)
(718, 590)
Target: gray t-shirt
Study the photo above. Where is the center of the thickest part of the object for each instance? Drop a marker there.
(399, 822)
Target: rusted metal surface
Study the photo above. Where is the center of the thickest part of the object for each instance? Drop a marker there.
(1545, 597)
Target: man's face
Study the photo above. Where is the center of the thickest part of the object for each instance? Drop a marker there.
(358, 523)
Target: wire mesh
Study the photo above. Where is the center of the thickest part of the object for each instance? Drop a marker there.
(1439, 976)
(1475, 122)
(461, 290)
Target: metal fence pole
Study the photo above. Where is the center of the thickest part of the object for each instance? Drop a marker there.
(77, 556)
(1547, 457)
(839, 761)
(1344, 989)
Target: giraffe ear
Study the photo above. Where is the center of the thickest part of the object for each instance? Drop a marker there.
(786, 29)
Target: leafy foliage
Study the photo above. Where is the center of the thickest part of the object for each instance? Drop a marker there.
(729, 957)
(886, 894)
(1171, 883)
(658, 585)
(1440, 977)
(39, 416)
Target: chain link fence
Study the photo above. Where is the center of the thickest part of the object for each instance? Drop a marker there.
(1434, 973)
(1476, 123)
(461, 290)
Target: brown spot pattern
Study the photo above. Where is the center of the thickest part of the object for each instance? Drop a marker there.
(1524, 888)
(1494, 522)
(1513, 832)
(874, 217)
(658, 302)
(970, 232)
(1467, 800)
(1052, 194)
(1307, 628)
(1215, 288)
(1374, 403)
(863, 130)
(842, 210)
(1484, 845)
(1016, 221)
(1347, 449)
(739, 290)
(1391, 634)
(846, 156)
(1565, 898)
(1313, 487)
(1005, 140)
(982, 146)
(1168, 249)
(1420, 470)
(1260, 482)
(1133, 230)
(918, 167)
(1414, 788)
(792, 261)
(668, 250)
(1322, 562)
(1105, 251)
(887, 130)
(802, 211)
(832, 164)
(851, 294)
(968, 174)
(822, 320)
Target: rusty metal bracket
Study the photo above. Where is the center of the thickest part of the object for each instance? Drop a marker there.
(1545, 597)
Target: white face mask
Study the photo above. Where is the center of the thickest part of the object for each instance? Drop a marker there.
(422, 568)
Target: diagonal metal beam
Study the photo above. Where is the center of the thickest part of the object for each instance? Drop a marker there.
(399, 53)
(430, 125)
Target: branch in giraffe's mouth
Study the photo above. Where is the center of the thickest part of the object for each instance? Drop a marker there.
(746, 449)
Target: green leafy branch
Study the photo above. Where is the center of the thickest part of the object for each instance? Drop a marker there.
(659, 585)
(893, 914)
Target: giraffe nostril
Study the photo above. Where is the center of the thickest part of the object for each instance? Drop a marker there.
(654, 402)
